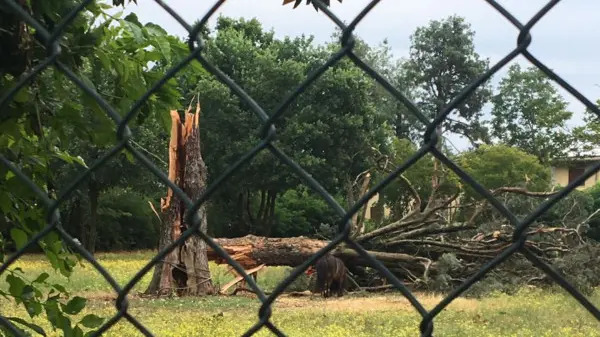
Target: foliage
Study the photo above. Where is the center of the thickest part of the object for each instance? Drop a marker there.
(594, 223)
(298, 212)
(344, 124)
(57, 305)
(580, 267)
(495, 166)
(587, 137)
(336, 112)
(51, 118)
(442, 63)
(529, 112)
(127, 221)
(398, 194)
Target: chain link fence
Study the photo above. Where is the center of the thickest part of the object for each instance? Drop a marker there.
(51, 40)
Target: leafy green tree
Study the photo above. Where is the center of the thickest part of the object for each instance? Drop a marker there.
(329, 130)
(495, 166)
(586, 137)
(400, 193)
(48, 117)
(529, 113)
(443, 62)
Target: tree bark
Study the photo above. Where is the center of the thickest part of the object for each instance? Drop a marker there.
(89, 227)
(251, 251)
(185, 270)
(193, 252)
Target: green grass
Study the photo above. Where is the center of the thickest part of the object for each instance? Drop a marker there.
(529, 313)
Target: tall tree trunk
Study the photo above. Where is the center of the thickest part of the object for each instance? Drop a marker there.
(269, 213)
(185, 270)
(89, 227)
(193, 252)
(261, 208)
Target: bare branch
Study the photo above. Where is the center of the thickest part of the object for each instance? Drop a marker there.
(389, 228)
(412, 190)
(430, 231)
(523, 191)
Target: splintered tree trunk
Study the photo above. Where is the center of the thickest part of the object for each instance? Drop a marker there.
(184, 270)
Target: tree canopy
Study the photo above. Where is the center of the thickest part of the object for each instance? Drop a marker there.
(345, 130)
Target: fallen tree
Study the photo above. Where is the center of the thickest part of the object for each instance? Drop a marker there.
(441, 236)
(416, 247)
(250, 251)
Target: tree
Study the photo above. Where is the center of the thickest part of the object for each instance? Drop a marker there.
(586, 137)
(496, 166)
(528, 112)
(329, 129)
(442, 63)
(49, 114)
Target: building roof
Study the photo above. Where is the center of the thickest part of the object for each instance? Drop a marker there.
(580, 155)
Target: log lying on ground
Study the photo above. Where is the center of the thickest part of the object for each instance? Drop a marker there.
(251, 251)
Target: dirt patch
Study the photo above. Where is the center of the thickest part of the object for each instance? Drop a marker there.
(349, 303)
(373, 303)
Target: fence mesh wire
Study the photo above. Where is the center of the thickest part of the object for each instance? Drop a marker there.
(50, 39)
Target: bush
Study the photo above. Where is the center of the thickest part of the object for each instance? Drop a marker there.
(300, 212)
(496, 166)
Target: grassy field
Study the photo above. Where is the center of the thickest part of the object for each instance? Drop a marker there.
(530, 313)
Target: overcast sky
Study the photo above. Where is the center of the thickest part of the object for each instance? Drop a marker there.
(566, 39)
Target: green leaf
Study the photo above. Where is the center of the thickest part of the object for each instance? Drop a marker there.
(64, 323)
(155, 30)
(91, 321)
(80, 161)
(132, 17)
(66, 157)
(33, 308)
(52, 311)
(75, 305)
(60, 288)
(152, 55)
(16, 285)
(19, 236)
(165, 119)
(9, 175)
(87, 82)
(27, 293)
(41, 278)
(164, 47)
(53, 259)
(103, 58)
(5, 203)
(22, 95)
(138, 34)
(31, 326)
(77, 332)
(129, 156)
(89, 333)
